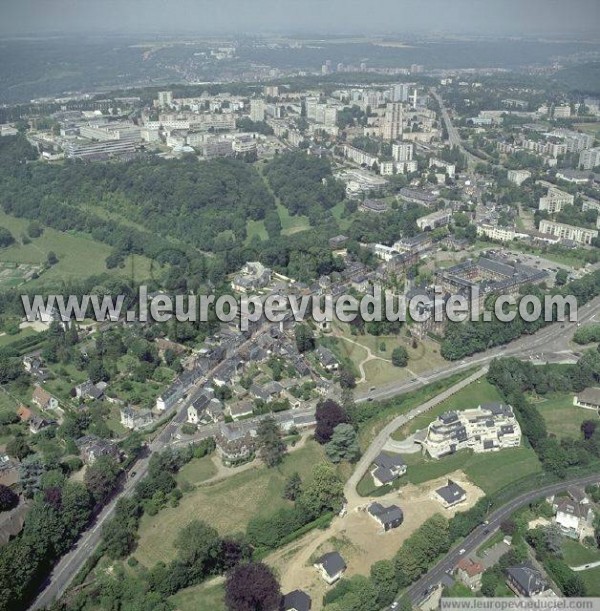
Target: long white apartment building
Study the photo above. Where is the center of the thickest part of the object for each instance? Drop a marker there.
(555, 200)
(581, 235)
(488, 428)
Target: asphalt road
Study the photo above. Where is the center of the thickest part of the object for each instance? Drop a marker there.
(482, 533)
(552, 339)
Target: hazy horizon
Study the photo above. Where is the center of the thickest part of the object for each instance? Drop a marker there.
(447, 17)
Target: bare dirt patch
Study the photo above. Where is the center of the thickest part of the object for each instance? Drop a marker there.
(359, 539)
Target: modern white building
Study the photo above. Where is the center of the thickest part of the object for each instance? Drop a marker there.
(487, 428)
(403, 151)
(257, 110)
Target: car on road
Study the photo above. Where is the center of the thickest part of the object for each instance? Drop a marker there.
(462, 551)
(372, 388)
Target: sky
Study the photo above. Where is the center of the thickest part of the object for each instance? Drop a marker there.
(486, 17)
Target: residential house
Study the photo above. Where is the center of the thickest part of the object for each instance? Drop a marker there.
(470, 572)
(525, 580)
(91, 391)
(254, 276)
(43, 399)
(331, 566)
(91, 448)
(296, 601)
(574, 519)
(24, 413)
(589, 398)
(235, 442)
(136, 419)
(37, 423)
(386, 468)
(240, 409)
(451, 494)
(338, 242)
(327, 358)
(388, 517)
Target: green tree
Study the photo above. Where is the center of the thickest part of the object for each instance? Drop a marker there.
(400, 357)
(305, 340)
(343, 444)
(271, 448)
(324, 491)
(198, 546)
(292, 487)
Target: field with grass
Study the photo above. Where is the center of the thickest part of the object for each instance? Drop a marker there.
(6, 339)
(79, 256)
(291, 224)
(473, 395)
(197, 471)
(589, 128)
(372, 356)
(256, 229)
(562, 418)
(203, 597)
(591, 579)
(227, 505)
(576, 554)
(490, 472)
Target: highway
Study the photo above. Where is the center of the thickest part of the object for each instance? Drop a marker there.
(552, 339)
(419, 591)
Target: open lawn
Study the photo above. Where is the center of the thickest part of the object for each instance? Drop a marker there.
(591, 579)
(79, 256)
(227, 505)
(589, 128)
(343, 222)
(379, 370)
(576, 554)
(490, 472)
(6, 339)
(197, 471)
(291, 224)
(562, 418)
(473, 395)
(200, 598)
(256, 229)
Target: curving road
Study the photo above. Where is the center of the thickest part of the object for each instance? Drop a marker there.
(418, 591)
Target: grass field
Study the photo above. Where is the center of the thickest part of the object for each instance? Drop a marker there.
(576, 554)
(291, 224)
(226, 505)
(562, 418)
(79, 256)
(200, 598)
(589, 128)
(473, 395)
(197, 471)
(591, 579)
(256, 229)
(6, 339)
(490, 472)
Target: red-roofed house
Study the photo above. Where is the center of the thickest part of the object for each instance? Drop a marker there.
(469, 572)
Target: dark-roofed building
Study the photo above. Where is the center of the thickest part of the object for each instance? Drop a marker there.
(378, 206)
(92, 447)
(386, 468)
(525, 580)
(389, 517)
(588, 398)
(338, 242)
(331, 566)
(296, 601)
(451, 494)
